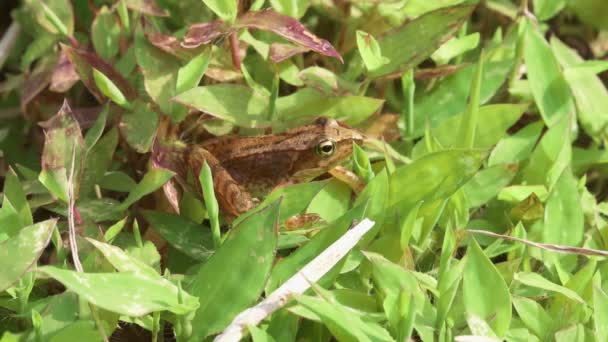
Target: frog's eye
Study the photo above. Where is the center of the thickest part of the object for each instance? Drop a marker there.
(325, 148)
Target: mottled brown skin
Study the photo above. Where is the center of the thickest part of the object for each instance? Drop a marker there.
(246, 167)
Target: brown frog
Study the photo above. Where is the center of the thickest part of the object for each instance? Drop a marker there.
(245, 167)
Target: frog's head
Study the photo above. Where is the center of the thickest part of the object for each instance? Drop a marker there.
(326, 143)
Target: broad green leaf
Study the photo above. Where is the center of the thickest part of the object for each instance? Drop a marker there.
(566, 311)
(564, 220)
(105, 34)
(342, 323)
(234, 277)
(494, 120)
(294, 198)
(125, 263)
(161, 74)
(437, 176)
(184, 235)
(470, 117)
(78, 331)
(589, 92)
(418, 39)
(139, 125)
(369, 49)
(516, 147)
(152, 181)
(55, 16)
(486, 294)
(551, 155)
(332, 201)
(591, 12)
(233, 103)
(375, 194)
(537, 281)
(306, 104)
(98, 161)
(546, 9)
(390, 279)
(292, 8)
(123, 293)
(518, 193)
(533, 316)
(259, 335)
(14, 199)
(117, 181)
(449, 98)
(288, 266)
(488, 183)
(225, 9)
(546, 79)
(600, 307)
(574, 333)
(190, 75)
(455, 47)
(20, 252)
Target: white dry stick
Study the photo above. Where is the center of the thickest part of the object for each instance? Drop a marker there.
(297, 284)
(8, 41)
(71, 224)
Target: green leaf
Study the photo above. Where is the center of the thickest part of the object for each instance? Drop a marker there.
(152, 181)
(259, 335)
(418, 39)
(488, 183)
(450, 169)
(95, 132)
(546, 79)
(56, 16)
(20, 252)
(105, 34)
(370, 51)
(600, 307)
(124, 293)
(190, 75)
(161, 73)
(450, 96)
(486, 294)
(225, 9)
(233, 103)
(184, 235)
(248, 253)
(470, 117)
(331, 202)
(138, 126)
(15, 200)
(537, 281)
(546, 9)
(342, 323)
(291, 8)
(589, 92)
(455, 47)
(109, 89)
(564, 221)
(516, 147)
(591, 12)
(306, 104)
(98, 161)
(533, 316)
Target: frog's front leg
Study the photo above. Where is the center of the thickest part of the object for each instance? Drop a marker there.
(232, 198)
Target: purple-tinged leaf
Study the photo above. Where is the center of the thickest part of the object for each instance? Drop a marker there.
(64, 75)
(204, 33)
(280, 52)
(148, 7)
(35, 83)
(289, 28)
(168, 43)
(85, 61)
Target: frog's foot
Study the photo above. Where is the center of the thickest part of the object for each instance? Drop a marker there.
(302, 221)
(348, 177)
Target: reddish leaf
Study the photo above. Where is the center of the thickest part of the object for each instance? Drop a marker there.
(148, 7)
(204, 33)
(288, 28)
(167, 43)
(86, 116)
(64, 75)
(280, 52)
(34, 84)
(85, 61)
